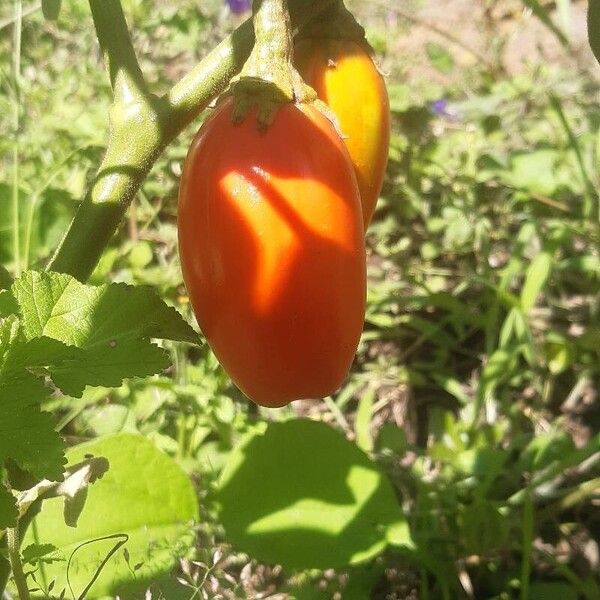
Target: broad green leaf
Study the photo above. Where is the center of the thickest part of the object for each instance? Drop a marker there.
(536, 277)
(145, 496)
(73, 488)
(112, 324)
(26, 434)
(535, 171)
(299, 494)
(34, 553)
(593, 22)
(8, 305)
(57, 305)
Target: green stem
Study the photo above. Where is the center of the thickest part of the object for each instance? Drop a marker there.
(115, 44)
(4, 566)
(139, 134)
(589, 195)
(266, 79)
(33, 202)
(14, 556)
(15, 182)
(527, 545)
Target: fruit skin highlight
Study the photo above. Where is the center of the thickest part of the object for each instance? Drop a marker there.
(345, 77)
(271, 242)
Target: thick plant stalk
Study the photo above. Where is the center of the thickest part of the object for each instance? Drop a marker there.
(142, 125)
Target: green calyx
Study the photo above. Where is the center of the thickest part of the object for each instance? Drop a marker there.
(268, 79)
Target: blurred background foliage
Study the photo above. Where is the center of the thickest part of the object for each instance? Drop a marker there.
(476, 383)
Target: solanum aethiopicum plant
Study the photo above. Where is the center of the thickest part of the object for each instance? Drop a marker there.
(335, 60)
(271, 231)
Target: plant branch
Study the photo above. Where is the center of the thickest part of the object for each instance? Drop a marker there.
(77, 478)
(4, 565)
(115, 43)
(140, 133)
(14, 556)
(590, 197)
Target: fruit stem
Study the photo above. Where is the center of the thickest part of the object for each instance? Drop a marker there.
(267, 78)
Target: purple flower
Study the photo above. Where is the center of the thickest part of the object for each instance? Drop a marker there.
(439, 107)
(442, 108)
(239, 6)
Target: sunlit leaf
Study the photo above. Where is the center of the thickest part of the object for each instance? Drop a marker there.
(144, 496)
(536, 277)
(111, 325)
(299, 494)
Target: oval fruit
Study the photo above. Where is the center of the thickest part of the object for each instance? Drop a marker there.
(346, 79)
(272, 250)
